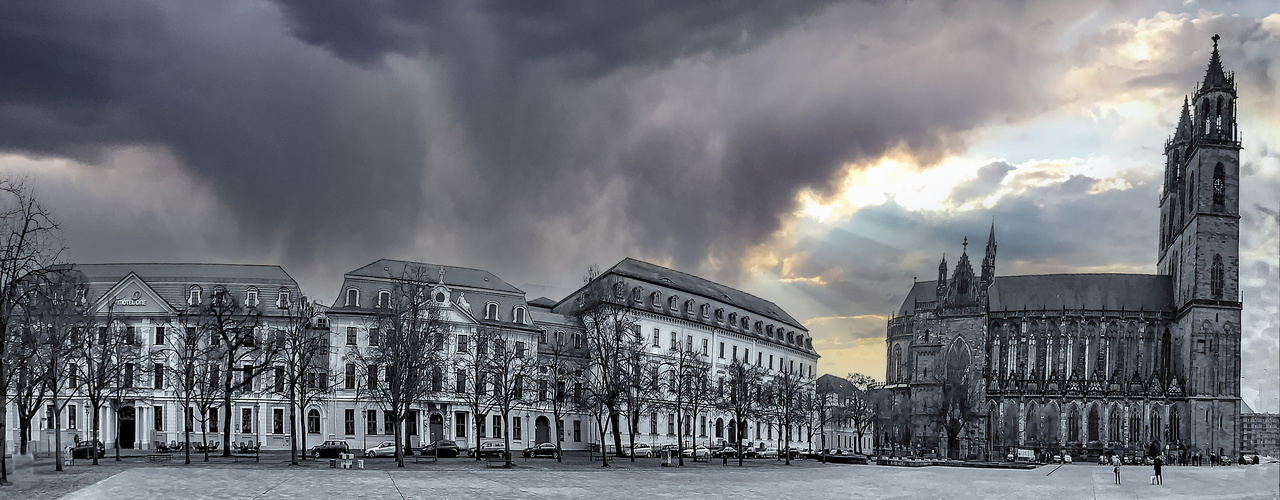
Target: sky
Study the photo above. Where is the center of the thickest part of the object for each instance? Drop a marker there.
(820, 154)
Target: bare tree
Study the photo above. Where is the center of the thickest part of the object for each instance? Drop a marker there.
(232, 328)
(641, 385)
(958, 402)
(688, 387)
(859, 409)
(56, 309)
(30, 392)
(785, 407)
(111, 363)
(611, 329)
(741, 398)
(413, 325)
(302, 347)
(194, 366)
(476, 363)
(515, 366)
(558, 368)
(30, 245)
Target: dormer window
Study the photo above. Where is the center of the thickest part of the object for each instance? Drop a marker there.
(517, 314)
(655, 298)
(251, 297)
(720, 314)
(282, 299)
(193, 295)
(705, 310)
(768, 330)
(619, 290)
(491, 310)
(688, 306)
(759, 327)
(384, 299)
(673, 302)
(635, 293)
(733, 320)
(746, 323)
(353, 298)
(791, 337)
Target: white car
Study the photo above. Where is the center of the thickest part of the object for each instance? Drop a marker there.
(383, 449)
(767, 453)
(640, 450)
(1066, 459)
(696, 452)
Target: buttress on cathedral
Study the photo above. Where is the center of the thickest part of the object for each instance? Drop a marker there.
(1093, 363)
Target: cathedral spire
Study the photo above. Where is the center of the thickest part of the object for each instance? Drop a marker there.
(1214, 76)
(942, 279)
(989, 260)
(1184, 122)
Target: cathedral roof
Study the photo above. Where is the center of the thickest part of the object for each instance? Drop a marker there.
(1150, 292)
(924, 292)
(1214, 76)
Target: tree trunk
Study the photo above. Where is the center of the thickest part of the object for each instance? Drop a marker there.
(293, 429)
(24, 433)
(204, 437)
(186, 439)
(400, 451)
(680, 437)
(604, 455)
(97, 431)
(57, 437)
(116, 411)
(617, 433)
(4, 431)
(506, 436)
(631, 434)
(226, 403)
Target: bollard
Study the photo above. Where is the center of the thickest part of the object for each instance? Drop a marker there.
(333, 463)
(360, 463)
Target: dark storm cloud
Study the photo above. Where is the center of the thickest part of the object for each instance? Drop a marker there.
(289, 140)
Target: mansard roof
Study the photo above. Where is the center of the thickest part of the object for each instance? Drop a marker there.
(1131, 292)
(689, 283)
(924, 292)
(172, 282)
(453, 275)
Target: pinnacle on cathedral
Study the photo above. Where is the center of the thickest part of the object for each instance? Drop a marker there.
(1214, 76)
(1183, 132)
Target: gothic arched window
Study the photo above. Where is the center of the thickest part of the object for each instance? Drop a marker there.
(1218, 118)
(1094, 423)
(1216, 276)
(897, 363)
(1073, 425)
(1219, 187)
(1113, 425)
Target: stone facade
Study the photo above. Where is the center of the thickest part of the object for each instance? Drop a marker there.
(1092, 363)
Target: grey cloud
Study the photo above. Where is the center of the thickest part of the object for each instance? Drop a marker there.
(984, 184)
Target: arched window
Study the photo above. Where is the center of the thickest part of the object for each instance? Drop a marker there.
(1094, 423)
(1174, 435)
(384, 298)
(719, 428)
(353, 298)
(897, 363)
(437, 380)
(688, 306)
(1219, 187)
(1157, 430)
(1216, 277)
(1135, 425)
(1218, 118)
(673, 302)
(1073, 425)
(193, 295)
(655, 298)
(635, 293)
(251, 297)
(1113, 425)
(517, 314)
(313, 421)
(491, 310)
(282, 298)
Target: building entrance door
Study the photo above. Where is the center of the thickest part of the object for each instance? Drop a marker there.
(128, 430)
(437, 427)
(542, 430)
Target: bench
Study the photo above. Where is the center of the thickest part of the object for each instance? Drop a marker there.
(238, 458)
(159, 458)
(499, 460)
(423, 458)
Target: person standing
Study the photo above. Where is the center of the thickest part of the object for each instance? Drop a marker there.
(1116, 469)
(1159, 462)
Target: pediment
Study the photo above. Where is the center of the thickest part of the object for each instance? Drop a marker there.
(132, 296)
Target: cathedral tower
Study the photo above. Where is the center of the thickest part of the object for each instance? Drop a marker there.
(1200, 251)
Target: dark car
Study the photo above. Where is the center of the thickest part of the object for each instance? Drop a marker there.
(81, 450)
(488, 449)
(329, 449)
(441, 448)
(725, 452)
(541, 450)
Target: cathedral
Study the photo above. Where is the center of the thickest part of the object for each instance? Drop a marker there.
(1087, 364)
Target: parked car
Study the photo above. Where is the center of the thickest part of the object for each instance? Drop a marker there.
(1066, 458)
(1057, 459)
(541, 450)
(488, 449)
(383, 449)
(329, 449)
(81, 450)
(725, 452)
(696, 452)
(441, 448)
(638, 449)
(767, 453)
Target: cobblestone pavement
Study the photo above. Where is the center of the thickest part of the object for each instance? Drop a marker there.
(808, 480)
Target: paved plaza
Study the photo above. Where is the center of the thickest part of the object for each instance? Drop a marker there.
(767, 481)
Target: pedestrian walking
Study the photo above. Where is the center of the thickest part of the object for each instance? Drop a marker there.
(1159, 462)
(1116, 469)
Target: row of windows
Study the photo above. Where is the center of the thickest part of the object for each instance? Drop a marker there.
(384, 301)
(195, 296)
(746, 353)
(742, 323)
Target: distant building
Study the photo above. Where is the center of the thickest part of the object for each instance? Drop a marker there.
(1259, 432)
(1093, 363)
(840, 432)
